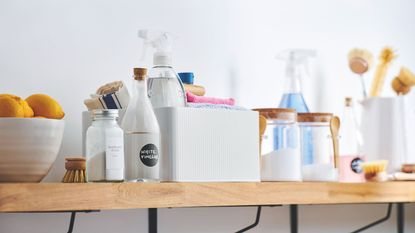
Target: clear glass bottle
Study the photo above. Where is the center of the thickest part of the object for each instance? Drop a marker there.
(142, 134)
(104, 147)
(350, 142)
(349, 133)
(165, 88)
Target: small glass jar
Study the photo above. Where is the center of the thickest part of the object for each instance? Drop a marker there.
(317, 147)
(280, 149)
(104, 147)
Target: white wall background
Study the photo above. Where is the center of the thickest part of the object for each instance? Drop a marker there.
(68, 48)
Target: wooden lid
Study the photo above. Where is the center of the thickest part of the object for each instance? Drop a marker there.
(75, 163)
(287, 114)
(314, 117)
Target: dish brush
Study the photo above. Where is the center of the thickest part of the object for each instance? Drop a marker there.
(75, 170)
(386, 57)
(360, 61)
(375, 171)
(403, 83)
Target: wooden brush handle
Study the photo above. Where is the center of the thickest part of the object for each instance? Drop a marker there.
(379, 80)
(194, 89)
(336, 152)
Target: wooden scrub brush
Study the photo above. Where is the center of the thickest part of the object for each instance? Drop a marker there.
(360, 61)
(75, 170)
(375, 171)
(403, 83)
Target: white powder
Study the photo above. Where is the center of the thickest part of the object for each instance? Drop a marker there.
(281, 165)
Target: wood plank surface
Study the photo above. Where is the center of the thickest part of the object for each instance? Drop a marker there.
(23, 197)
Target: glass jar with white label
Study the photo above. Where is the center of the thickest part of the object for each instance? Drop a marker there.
(104, 147)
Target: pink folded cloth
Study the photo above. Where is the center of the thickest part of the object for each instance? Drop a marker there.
(202, 99)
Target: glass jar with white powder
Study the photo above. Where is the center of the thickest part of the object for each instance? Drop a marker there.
(280, 149)
(317, 147)
(104, 147)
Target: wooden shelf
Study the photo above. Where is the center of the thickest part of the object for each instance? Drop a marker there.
(23, 197)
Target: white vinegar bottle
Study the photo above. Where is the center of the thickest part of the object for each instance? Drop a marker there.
(142, 134)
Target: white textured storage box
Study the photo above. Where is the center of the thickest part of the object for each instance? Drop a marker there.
(205, 144)
(209, 145)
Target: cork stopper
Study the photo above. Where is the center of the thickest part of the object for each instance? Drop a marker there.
(140, 73)
(314, 117)
(348, 101)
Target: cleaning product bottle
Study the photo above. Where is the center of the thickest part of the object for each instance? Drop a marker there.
(142, 134)
(296, 69)
(350, 141)
(164, 86)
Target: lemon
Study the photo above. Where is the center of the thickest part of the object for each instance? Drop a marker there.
(27, 110)
(45, 106)
(10, 107)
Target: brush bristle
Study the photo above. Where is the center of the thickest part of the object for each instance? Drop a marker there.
(374, 167)
(364, 54)
(387, 55)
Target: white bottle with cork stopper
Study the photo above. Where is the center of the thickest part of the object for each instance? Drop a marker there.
(142, 134)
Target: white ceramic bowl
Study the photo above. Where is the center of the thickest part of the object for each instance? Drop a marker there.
(28, 148)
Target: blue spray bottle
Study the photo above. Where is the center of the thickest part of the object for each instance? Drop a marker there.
(296, 70)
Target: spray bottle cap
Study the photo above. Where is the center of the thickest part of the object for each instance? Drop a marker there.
(295, 57)
(161, 42)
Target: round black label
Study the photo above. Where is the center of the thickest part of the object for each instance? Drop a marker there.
(149, 155)
(355, 165)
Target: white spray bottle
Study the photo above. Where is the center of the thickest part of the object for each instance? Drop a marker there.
(296, 69)
(164, 86)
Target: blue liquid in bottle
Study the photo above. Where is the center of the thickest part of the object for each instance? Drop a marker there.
(296, 62)
(295, 101)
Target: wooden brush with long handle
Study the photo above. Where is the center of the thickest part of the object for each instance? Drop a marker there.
(386, 57)
(360, 61)
(75, 170)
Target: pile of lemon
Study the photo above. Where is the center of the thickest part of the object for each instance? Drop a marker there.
(37, 105)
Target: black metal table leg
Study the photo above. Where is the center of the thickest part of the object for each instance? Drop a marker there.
(388, 214)
(152, 220)
(72, 222)
(294, 218)
(400, 214)
(258, 216)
